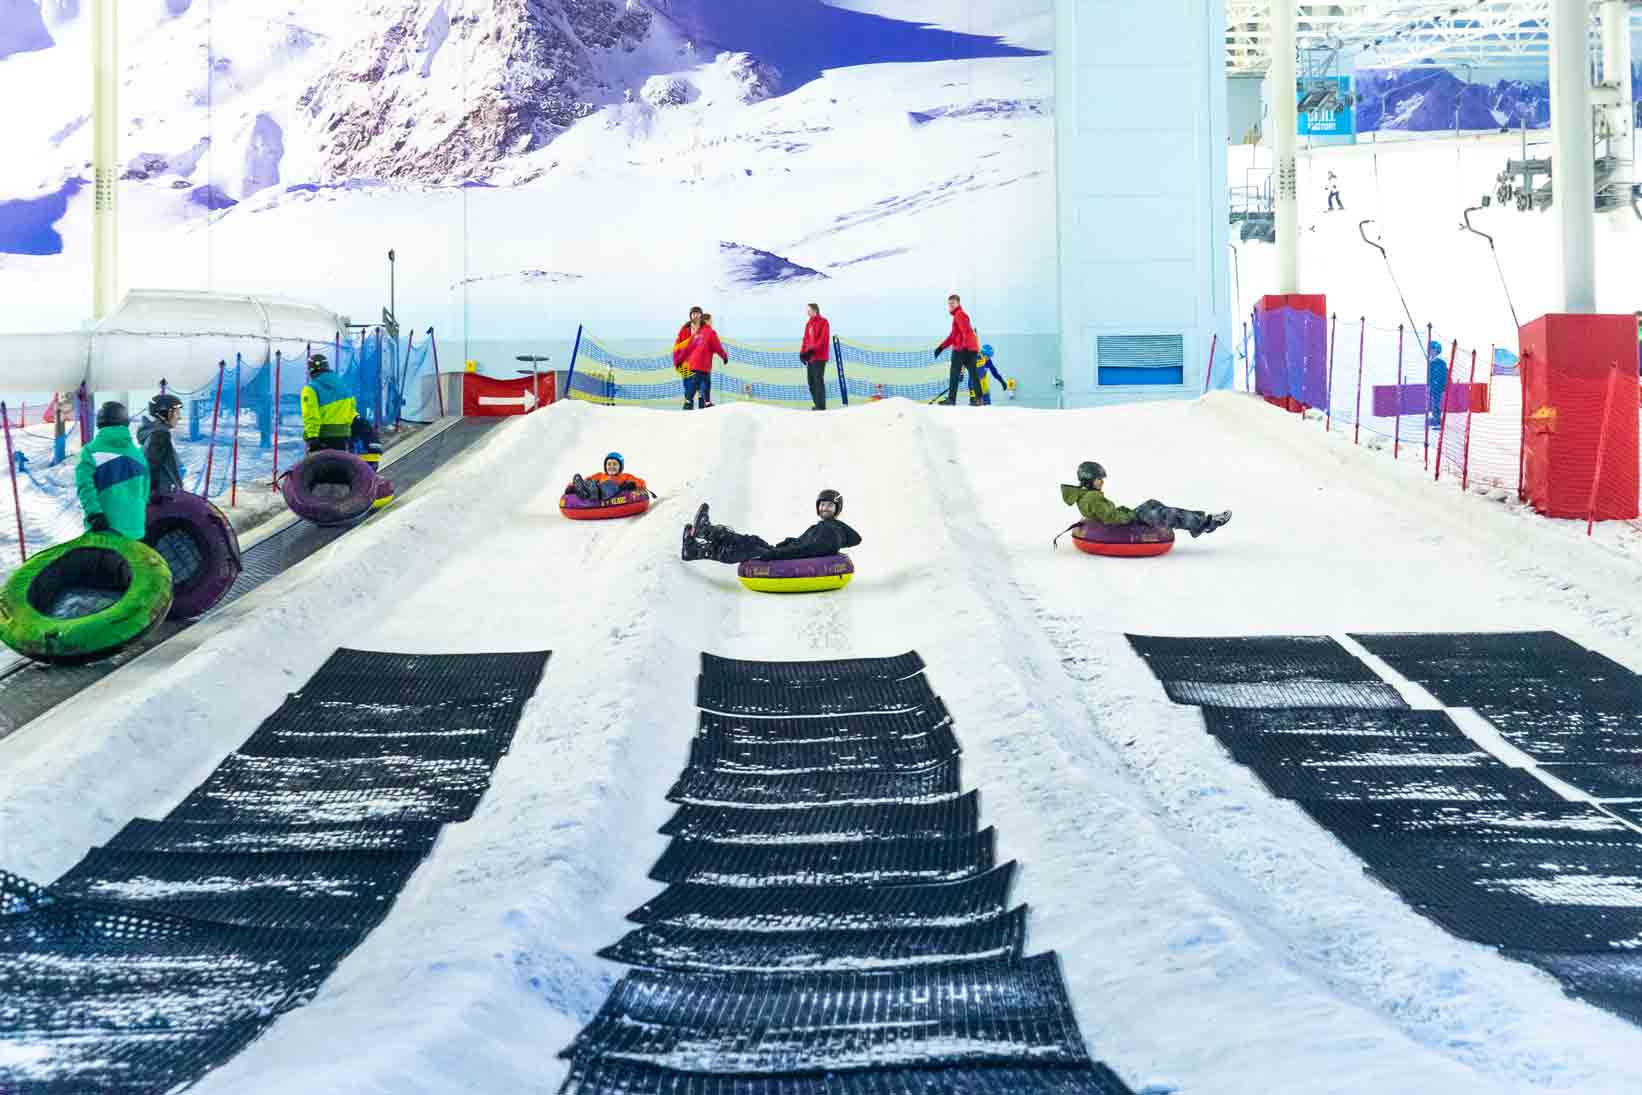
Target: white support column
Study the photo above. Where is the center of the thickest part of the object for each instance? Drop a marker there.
(1285, 123)
(1573, 169)
(1616, 61)
(105, 66)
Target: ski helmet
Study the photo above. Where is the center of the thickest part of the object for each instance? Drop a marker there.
(830, 496)
(987, 349)
(1435, 349)
(113, 414)
(162, 405)
(1089, 472)
(317, 364)
(621, 464)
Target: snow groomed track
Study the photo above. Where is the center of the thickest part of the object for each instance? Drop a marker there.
(164, 952)
(891, 984)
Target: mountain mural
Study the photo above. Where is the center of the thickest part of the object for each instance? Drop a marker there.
(1421, 100)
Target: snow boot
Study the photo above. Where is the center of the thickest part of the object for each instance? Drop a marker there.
(690, 550)
(706, 403)
(699, 526)
(1216, 520)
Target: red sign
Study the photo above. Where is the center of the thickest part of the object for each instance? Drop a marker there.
(487, 397)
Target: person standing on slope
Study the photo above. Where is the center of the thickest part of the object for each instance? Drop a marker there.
(719, 544)
(330, 418)
(815, 352)
(154, 434)
(1089, 496)
(1436, 383)
(685, 334)
(111, 478)
(697, 357)
(987, 364)
(966, 350)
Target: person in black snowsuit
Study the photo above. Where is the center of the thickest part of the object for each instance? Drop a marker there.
(719, 544)
(154, 435)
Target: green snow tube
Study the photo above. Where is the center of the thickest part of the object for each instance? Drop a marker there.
(85, 599)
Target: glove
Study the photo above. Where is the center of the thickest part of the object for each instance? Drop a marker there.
(804, 357)
(98, 522)
(937, 351)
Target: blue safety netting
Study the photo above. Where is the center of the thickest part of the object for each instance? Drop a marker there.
(873, 373)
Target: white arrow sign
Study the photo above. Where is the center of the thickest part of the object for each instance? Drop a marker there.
(527, 401)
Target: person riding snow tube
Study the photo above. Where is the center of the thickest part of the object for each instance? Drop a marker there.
(1110, 529)
(329, 487)
(609, 494)
(820, 548)
(200, 547)
(84, 600)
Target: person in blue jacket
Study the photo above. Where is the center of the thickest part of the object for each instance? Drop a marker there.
(1436, 382)
(987, 364)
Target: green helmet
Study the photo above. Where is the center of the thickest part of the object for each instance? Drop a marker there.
(1089, 472)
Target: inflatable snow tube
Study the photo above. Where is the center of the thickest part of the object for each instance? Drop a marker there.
(198, 545)
(330, 488)
(797, 575)
(629, 504)
(1122, 541)
(85, 599)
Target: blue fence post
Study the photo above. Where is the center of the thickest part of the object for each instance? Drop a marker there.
(570, 380)
(843, 382)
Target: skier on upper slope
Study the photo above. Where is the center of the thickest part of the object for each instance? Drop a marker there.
(1090, 499)
(719, 544)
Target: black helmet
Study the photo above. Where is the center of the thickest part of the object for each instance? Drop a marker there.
(318, 363)
(830, 496)
(1089, 471)
(162, 405)
(113, 414)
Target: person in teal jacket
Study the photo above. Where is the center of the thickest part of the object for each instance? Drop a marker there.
(112, 476)
(1089, 496)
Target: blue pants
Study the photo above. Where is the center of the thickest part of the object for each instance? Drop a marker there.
(698, 384)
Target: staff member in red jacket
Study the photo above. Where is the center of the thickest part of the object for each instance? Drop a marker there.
(814, 354)
(695, 356)
(966, 353)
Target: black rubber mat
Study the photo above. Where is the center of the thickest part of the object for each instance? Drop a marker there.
(503, 682)
(1591, 975)
(143, 835)
(1379, 782)
(1520, 858)
(320, 891)
(973, 1013)
(302, 727)
(739, 729)
(803, 674)
(110, 1062)
(1316, 721)
(842, 908)
(823, 824)
(1530, 668)
(694, 950)
(616, 1077)
(933, 784)
(1369, 695)
(31, 690)
(1276, 750)
(719, 752)
(867, 863)
(1541, 912)
(1239, 660)
(839, 698)
(1570, 738)
(1390, 822)
(1602, 781)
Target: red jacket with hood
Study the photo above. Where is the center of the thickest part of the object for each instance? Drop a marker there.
(963, 336)
(696, 354)
(817, 339)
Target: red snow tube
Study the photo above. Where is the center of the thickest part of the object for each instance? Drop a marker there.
(199, 545)
(630, 504)
(1122, 541)
(330, 488)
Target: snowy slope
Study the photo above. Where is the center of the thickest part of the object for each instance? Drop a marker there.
(1215, 941)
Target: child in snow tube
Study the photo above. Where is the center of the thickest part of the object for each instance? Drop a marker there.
(1110, 529)
(610, 493)
(199, 545)
(820, 548)
(84, 600)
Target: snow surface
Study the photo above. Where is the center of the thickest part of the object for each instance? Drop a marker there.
(1215, 940)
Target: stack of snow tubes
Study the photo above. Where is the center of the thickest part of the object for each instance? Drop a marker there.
(835, 920)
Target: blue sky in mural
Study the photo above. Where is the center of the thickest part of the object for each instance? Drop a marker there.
(803, 37)
(28, 226)
(22, 28)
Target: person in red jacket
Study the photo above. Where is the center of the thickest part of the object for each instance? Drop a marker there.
(814, 354)
(695, 355)
(685, 334)
(966, 353)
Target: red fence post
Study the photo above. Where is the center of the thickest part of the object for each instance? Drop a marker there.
(1470, 395)
(1328, 392)
(1208, 374)
(274, 414)
(1601, 446)
(1397, 427)
(233, 474)
(16, 497)
(1442, 421)
(1362, 343)
(1426, 417)
(211, 449)
(438, 381)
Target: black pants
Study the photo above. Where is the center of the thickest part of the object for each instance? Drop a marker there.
(964, 360)
(362, 434)
(817, 371)
(1155, 514)
(729, 546)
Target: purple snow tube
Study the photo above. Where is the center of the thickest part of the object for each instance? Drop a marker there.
(1122, 541)
(330, 488)
(199, 544)
(825, 567)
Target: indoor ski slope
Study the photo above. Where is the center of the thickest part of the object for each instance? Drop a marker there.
(1214, 939)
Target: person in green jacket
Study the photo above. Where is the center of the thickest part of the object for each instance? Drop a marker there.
(330, 417)
(112, 476)
(1090, 498)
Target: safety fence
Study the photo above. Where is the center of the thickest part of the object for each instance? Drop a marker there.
(1458, 411)
(238, 431)
(772, 375)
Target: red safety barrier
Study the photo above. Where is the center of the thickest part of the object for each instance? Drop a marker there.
(487, 397)
(1578, 432)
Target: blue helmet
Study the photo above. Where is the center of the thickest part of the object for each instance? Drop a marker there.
(987, 349)
(1435, 349)
(621, 464)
